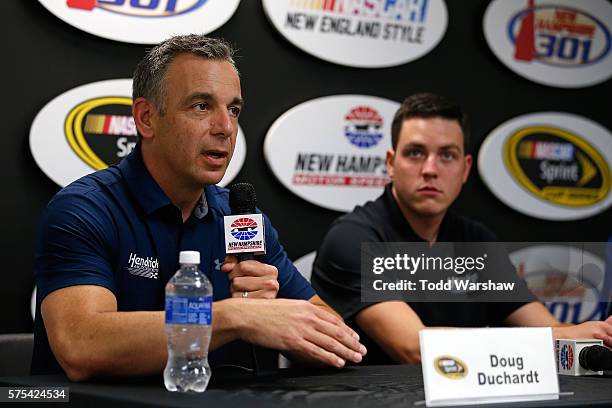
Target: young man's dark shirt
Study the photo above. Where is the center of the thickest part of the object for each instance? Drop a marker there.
(336, 274)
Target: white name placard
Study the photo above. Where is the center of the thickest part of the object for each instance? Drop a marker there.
(244, 233)
(468, 366)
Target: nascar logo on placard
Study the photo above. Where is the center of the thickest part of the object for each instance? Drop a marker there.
(339, 160)
(143, 21)
(91, 127)
(365, 34)
(244, 233)
(562, 43)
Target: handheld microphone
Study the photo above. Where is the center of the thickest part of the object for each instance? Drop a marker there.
(244, 229)
(582, 357)
(244, 225)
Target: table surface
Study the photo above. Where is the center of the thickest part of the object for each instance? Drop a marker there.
(370, 386)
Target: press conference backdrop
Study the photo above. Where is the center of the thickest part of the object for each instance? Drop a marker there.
(45, 57)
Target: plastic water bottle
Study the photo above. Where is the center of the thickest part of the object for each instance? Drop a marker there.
(188, 326)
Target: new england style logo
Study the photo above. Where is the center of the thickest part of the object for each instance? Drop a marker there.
(139, 8)
(361, 33)
(560, 43)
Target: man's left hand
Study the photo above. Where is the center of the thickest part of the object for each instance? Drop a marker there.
(251, 279)
(587, 330)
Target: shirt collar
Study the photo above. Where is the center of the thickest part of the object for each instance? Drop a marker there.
(201, 208)
(149, 194)
(141, 184)
(403, 225)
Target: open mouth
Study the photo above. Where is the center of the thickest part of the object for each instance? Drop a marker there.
(216, 154)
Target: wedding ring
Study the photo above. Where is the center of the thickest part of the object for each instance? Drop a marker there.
(245, 294)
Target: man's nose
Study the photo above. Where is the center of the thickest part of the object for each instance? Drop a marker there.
(430, 166)
(223, 124)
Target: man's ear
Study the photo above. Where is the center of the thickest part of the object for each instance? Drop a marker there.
(389, 162)
(143, 111)
(468, 165)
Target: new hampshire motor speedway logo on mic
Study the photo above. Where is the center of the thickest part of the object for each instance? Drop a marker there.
(244, 233)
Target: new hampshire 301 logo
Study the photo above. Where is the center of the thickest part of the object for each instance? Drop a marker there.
(555, 42)
(143, 21)
(141, 8)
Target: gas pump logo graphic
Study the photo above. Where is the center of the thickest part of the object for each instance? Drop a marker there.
(558, 36)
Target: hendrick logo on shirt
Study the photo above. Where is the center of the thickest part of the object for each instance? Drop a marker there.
(145, 267)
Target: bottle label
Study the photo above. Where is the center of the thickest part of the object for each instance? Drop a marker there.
(189, 310)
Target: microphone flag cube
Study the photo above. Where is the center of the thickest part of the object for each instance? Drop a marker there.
(568, 356)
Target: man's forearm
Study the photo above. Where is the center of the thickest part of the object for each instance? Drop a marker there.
(130, 343)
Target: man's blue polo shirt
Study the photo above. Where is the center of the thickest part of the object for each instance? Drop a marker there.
(116, 228)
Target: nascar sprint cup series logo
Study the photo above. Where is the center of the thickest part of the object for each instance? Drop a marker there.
(361, 33)
(338, 160)
(143, 21)
(553, 166)
(90, 128)
(561, 43)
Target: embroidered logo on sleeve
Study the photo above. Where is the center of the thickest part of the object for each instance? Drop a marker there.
(145, 267)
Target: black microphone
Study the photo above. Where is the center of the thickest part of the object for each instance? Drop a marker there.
(596, 358)
(242, 201)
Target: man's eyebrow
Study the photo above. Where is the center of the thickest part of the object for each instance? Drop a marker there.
(237, 101)
(450, 146)
(199, 96)
(413, 144)
(422, 146)
(205, 96)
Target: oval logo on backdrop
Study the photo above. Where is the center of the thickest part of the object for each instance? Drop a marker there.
(90, 128)
(364, 34)
(569, 280)
(143, 21)
(561, 43)
(553, 166)
(331, 151)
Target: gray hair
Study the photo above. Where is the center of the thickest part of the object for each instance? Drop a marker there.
(151, 70)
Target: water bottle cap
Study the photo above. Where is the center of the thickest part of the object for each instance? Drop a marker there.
(189, 257)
